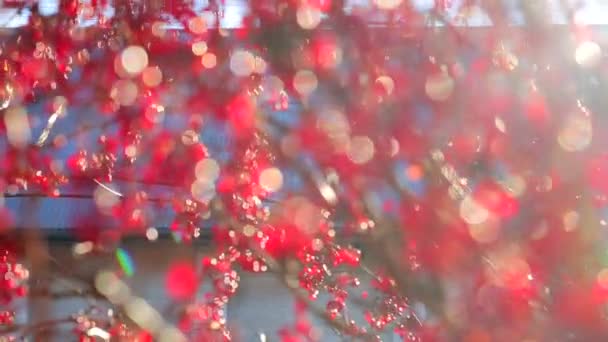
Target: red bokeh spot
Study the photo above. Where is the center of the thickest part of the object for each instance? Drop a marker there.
(496, 200)
(597, 173)
(323, 5)
(325, 50)
(536, 109)
(241, 117)
(181, 280)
